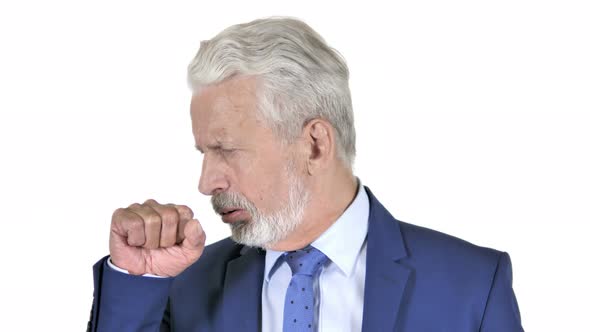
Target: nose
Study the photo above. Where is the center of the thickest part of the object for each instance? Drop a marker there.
(213, 177)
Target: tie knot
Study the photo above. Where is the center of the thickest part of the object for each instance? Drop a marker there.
(306, 261)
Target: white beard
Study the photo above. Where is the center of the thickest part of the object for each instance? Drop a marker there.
(264, 230)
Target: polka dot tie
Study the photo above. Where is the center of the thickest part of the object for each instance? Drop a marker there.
(299, 301)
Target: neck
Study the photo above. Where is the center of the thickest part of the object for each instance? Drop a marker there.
(328, 201)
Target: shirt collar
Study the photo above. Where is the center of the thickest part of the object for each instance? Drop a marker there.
(342, 242)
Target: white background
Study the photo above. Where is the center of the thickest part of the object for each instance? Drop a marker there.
(472, 118)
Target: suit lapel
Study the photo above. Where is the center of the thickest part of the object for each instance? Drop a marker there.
(385, 279)
(241, 291)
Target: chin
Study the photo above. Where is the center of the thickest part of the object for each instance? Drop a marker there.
(248, 236)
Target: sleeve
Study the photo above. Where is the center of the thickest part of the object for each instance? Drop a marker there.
(124, 302)
(501, 312)
(116, 268)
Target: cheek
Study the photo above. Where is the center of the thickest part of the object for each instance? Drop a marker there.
(258, 168)
(261, 176)
(267, 188)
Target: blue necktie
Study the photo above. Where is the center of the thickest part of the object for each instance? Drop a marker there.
(299, 301)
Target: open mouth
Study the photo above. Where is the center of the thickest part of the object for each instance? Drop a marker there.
(224, 213)
(233, 215)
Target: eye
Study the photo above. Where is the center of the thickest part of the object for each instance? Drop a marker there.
(224, 152)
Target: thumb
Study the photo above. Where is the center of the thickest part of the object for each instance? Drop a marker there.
(194, 238)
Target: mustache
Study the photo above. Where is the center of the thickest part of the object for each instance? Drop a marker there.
(233, 200)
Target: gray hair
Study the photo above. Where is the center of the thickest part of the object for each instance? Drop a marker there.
(302, 78)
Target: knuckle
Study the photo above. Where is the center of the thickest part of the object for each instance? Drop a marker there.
(117, 213)
(185, 211)
(125, 217)
(151, 201)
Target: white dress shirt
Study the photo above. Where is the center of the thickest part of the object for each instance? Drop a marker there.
(339, 288)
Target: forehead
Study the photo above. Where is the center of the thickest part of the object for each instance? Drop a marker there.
(225, 111)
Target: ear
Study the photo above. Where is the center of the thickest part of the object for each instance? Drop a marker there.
(319, 141)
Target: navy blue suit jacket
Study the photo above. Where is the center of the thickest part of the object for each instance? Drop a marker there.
(416, 280)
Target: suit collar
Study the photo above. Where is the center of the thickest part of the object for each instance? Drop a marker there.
(384, 231)
(386, 278)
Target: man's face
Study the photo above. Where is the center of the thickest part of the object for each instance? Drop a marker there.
(250, 175)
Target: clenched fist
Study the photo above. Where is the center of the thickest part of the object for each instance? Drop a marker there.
(154, 238)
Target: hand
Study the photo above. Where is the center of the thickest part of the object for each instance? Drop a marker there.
(153, 238)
